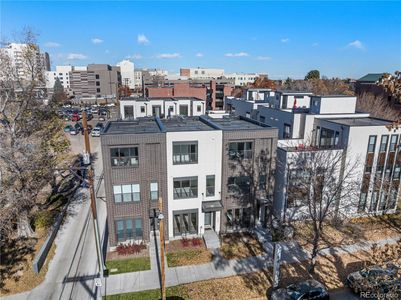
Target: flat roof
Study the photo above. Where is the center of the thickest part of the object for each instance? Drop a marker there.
(181, 123)
(184, 124)
(141, 125)
(235, 123)
(367, 121)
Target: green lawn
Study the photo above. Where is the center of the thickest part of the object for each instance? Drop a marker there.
(128, 265)
(175, 292)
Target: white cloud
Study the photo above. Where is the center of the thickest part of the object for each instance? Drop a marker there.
(263, 58)
(199, 54)
(52, 45)
(142, 39)
(239, 54)
(96, 41)
(169, 55)
(285, 40)
(76, 56)
(134, 56)
(356, 44)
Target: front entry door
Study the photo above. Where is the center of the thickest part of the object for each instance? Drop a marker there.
(209, 220)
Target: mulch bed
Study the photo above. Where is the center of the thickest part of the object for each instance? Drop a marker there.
(113, 255)
(179, 245)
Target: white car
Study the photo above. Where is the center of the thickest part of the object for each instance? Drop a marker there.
(95, 131)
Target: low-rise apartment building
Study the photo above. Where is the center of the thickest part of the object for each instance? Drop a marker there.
(330, 123)
(212, 174)
(132, 108)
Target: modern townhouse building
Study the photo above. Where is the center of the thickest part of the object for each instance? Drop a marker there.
(330, 123)
(241, 79)
(212, 174)
(132, 108)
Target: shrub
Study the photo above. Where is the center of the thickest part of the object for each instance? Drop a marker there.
(196, 242)
(131, 248)
(44, 219)
(185, 242)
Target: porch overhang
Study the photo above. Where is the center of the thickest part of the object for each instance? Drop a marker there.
(209, 206)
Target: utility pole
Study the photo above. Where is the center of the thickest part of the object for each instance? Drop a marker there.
(161, 229)
(87, 155)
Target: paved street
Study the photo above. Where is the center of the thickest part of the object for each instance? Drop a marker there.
(75, 259)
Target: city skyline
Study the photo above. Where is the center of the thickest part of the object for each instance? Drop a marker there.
(280, 39)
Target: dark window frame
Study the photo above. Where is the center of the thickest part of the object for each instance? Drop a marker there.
(132, 160)
(192, 152)
(134, 229)
(181, 193)
(240, 150)
(210, 189)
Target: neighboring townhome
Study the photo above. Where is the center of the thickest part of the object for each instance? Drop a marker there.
(132, 108)
(212, 173)
(330, 126)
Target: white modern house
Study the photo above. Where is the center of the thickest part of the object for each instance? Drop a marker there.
(330, 123)
(193, 177)
(132, 108)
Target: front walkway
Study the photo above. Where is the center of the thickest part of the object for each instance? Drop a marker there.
(219, 267)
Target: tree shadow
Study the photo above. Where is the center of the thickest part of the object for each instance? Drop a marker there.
(13, 256)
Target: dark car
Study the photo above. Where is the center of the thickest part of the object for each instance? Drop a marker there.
(370, 279)
(78, 127)
(89, 129)
(309, 289)
(100, 125)
(67, 128)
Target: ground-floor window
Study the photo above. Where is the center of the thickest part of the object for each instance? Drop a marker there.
(238, 218)
(185, 222)
(129, 229)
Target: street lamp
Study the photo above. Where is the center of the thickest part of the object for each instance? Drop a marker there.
(161, 229)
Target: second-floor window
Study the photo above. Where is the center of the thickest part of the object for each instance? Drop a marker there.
(287, 131)
(210, 185)
(124, 156)
(154, 191)
(185, 187)
(240, 150)
(126, 193)
(185, 153)
(239, 185)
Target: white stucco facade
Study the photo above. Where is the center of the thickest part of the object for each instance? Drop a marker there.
(146, 107)
(208, 142)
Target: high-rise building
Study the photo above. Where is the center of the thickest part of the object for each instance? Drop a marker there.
(127, 73)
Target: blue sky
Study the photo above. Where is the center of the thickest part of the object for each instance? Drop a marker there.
(345, 39)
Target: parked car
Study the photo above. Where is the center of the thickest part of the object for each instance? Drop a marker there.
(309, 289)
(94, 110)
(73, 131)
(89, 129)
(99, 125)
(95, 131)
(75, 117)
(67, 128)
(370, 279)
(78, 127)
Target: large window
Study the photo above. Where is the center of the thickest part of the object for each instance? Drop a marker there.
(238, 218)
(239, 185)
(125, 230)
(210, 185)
(128, 111)
(154, 191)
(240, 150)
(185, 187)
(329, 138)
(185, 153)
(393, 143)
(183, 110)
(383, 143)
(124, 156)
(372, 143)
(185, 222)
(287, 131)
(126, 193)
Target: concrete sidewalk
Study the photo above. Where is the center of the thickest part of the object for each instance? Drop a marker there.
(220, 267)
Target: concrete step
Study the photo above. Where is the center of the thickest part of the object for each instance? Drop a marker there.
(211, 239)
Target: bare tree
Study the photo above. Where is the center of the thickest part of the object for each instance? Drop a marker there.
(377, 106)
(326, 188)
(32, 142)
